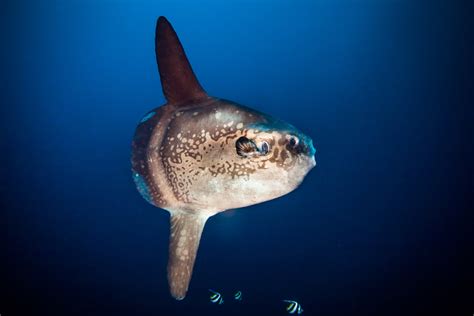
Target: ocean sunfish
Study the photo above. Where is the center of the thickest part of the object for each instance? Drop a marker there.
(199, 155)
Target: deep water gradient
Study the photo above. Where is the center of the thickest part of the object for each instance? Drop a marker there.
(382, 226)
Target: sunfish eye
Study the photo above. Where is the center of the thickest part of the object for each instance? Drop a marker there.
(264, 148)
(293, 141)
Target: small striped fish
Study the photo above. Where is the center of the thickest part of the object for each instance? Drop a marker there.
(293, 307)
(238, 296)
(216, 297)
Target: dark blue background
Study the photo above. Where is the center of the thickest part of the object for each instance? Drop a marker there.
(382, 225)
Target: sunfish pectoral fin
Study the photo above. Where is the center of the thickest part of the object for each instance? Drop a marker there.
(185, 234)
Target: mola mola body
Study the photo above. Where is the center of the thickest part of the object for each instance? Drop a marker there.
(199, 155)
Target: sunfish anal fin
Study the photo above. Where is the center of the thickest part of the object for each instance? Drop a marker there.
(185, 234)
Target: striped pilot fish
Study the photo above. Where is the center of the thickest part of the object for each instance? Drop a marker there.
(293, 307)
(238, 296)
(216, 297)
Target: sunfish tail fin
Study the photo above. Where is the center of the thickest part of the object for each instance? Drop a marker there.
(185, 234)
(178, 81)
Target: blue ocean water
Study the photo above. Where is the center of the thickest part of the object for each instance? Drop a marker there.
(382, 225)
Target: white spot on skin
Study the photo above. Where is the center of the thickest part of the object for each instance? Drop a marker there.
(240, 125)
(218, 115)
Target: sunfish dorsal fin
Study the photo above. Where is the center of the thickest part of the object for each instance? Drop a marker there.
(178, 81)
(185, 234)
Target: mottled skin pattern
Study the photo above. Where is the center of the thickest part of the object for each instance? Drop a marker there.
(196, 155)
(186, 160)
